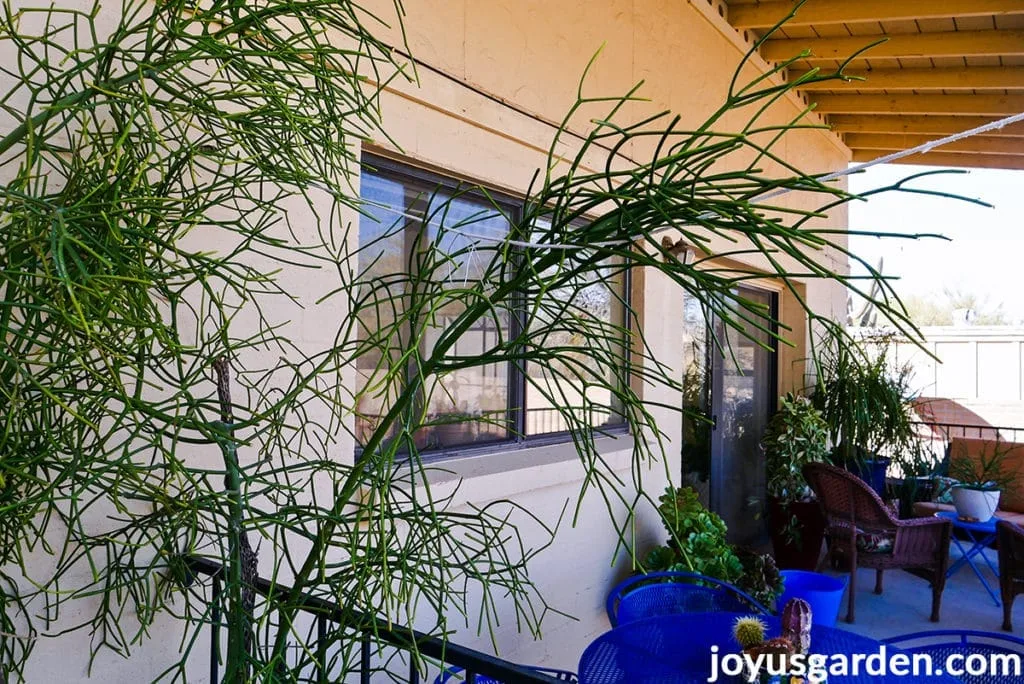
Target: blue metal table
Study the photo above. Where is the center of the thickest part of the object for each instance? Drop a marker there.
(982, 535)
(676, 649)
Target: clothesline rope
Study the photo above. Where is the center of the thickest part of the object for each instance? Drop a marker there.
(920, 149)
(856, 168)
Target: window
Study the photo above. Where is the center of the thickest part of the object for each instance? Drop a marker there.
(500, 403)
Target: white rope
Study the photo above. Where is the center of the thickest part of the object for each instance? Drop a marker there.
(920, 149)
(924, 148)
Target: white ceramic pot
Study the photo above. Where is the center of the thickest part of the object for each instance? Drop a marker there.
(975, 504)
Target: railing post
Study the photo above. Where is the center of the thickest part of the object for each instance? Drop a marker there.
(321, 648)
(364, 659)
(215, 631)
(414, 672)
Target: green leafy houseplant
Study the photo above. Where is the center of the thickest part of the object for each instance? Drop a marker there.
(796, 435)
(172, 173)
(697, 543)
(696, 540)
(865, 399)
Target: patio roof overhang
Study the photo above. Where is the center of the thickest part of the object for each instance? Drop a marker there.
(947, 66)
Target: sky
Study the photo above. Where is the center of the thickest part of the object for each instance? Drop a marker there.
(985, 250)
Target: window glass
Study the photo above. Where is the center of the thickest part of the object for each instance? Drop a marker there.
(382, 259)
(403, 218)
(405, 213)
(696, 443)
(471, 405)
(575, 382)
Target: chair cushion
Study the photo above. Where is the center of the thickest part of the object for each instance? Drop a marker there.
(926, 509)
(875, 542)
(1015, 518)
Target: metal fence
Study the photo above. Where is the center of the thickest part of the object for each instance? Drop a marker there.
(370, 639)
(946, 432)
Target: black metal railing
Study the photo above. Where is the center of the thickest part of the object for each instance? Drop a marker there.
(444, 653)
(949, 431)
(445, 432)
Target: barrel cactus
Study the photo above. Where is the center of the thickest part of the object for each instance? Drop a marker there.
(749, 631)
(774, 656)
(796, 624)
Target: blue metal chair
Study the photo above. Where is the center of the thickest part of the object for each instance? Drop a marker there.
(451, 674)
(670, 593)
(940, 644)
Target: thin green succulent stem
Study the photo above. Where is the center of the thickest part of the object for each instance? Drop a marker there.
(144, 235)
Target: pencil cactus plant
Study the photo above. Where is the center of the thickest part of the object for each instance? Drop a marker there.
(169, 171)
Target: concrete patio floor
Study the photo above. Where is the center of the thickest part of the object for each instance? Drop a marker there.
(905, 604)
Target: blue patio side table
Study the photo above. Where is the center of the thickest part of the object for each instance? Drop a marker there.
(981, 534)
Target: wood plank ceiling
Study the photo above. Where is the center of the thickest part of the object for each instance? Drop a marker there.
(947, 66)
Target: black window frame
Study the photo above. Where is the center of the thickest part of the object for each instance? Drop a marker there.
(516, 408)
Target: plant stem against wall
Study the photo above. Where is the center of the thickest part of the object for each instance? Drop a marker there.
(168, 169)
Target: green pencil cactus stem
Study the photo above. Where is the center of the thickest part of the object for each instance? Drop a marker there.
(156, 155)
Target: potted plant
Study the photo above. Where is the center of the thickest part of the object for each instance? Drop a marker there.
(795, 436)
(865, 399)
(769, 659)
(916, 481)
(979, 481)
(696, 540)
(697, 544)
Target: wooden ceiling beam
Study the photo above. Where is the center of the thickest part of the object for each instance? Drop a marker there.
(942, 44)
(974, 161)
(973, 145)
(979, 105)
(949, 78)
(767, 14)
(938, 126)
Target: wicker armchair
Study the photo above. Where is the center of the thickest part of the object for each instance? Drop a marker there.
(862, 531)
(1011, 567)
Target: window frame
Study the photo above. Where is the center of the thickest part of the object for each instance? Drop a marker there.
(515, 403)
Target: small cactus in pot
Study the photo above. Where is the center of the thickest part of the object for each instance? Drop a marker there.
(776, 653)
(749, 631)
(796, 624)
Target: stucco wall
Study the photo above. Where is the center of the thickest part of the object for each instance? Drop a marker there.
(532, 53)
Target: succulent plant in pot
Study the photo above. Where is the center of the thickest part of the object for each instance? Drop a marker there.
(697, 543)
(696, 540)
(795, 436)
(980, 479)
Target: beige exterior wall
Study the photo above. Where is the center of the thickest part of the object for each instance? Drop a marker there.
(532, 53)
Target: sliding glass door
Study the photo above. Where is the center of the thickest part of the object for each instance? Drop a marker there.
(743, 385)
(731, 380)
